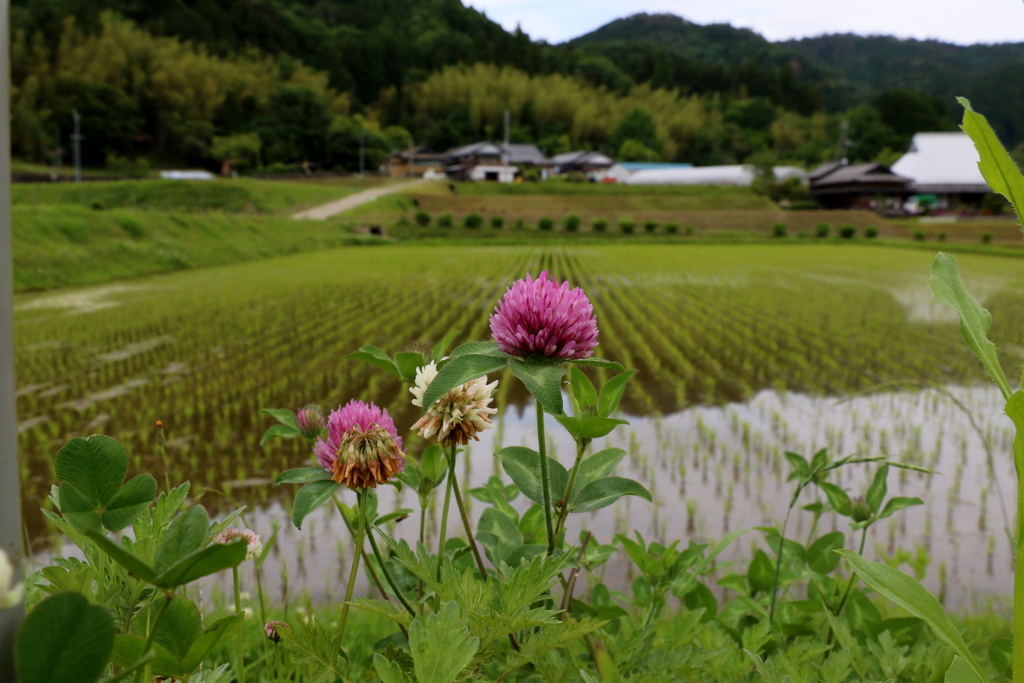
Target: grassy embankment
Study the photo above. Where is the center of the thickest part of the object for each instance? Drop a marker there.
(76, 234)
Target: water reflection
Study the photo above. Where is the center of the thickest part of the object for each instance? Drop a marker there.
(713, 470)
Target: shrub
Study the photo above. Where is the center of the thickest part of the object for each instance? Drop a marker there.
(497, 222)
(871, 232)
(650, 226)
(986, 237)
(473, 220)
(519, 224)
(600, 225)
(571, 222)
(689, 230)
(545, 224)
(919, 235)
(671, 228)
(627, 227)
(445, 220)
(779, 230)
(847, 232)
(822, 230)
(942, 236)
(422, 219)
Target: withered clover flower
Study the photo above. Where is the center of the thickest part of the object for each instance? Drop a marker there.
(459, 415)
(543, 318)
(253, 545)
(362, 448)
(311, 421)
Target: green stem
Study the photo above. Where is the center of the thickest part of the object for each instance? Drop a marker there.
(782, 545)
(444, 511)
(156, 622)
(360, 533)
(853, 577)
(238, 640)
(469, 529)
(424, 502)
(146, 659)
(545, 479)
(387, 573)
(1018, 564)
(581, 447)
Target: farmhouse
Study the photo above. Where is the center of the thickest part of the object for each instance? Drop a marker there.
(582, 161)
(414, 163)
(839, 185)
(489, 161)
(945, 166)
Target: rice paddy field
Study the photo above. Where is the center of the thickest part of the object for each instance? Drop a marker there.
(744, 352)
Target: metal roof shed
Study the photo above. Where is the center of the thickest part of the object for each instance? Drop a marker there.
(942, 163)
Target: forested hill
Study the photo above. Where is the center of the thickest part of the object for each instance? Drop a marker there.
(846, 69)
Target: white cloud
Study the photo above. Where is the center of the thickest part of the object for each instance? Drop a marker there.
(978, 21)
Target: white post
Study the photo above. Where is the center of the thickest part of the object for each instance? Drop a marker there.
(10, 495)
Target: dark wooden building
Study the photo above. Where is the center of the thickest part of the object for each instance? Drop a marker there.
(838, 185)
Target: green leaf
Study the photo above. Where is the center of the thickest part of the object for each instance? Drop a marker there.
(761, 573)
(961, 672)
(523, 466)
(599, 363)
(211, 637)
(878, 489)
(543, 380)
(397, 514)
(279, 432)
(133, 564)
(310, 497)
(389, 671)
(611, 393)
(95, 465)
(975, 321)
(582, 389)
(459, 371)
(438, 353)
(1001, 172)
(909, 594)
(499, 534)
(130, 501)
(896, 504)
(820, 557)
(209, 560)
(377, 358)
(177, 630)
(81, 512)
(303, 475)
(64, 640)
(801, 469)
(603, 492)
(1000, 653)
(282, 415)
(433, 463)
(596, 427)
(408, 362)
(183, 537)
(441, 646)
(837, 498)
(480, 348)
(597, 466)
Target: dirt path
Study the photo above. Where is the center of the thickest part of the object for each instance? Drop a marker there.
(352, 201)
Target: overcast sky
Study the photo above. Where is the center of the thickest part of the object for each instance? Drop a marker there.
(957, 21)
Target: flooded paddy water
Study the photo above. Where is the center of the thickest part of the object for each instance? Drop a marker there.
(744, 354)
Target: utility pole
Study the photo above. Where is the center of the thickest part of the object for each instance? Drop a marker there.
(10, 492)
(508, 124)
(77, 137)
(362, 153)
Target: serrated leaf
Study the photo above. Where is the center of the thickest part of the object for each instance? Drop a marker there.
(478, 348)
(64, 640)
(283, 415)
(603, 492)
(975, 321)
(999, 169)
(133, 564)
(408, 362)
(582, 389)
(894, 505)
(441, 646)
(95, 465)
(130, 501)
(459, 371)
(310, 497)
(878, 489)
(611, 393)
(597, 466)
(543, 381)
(523, 466)
(909, 594)
(961, 672)
(183, 537)
(389, 671)
(209, 560)
(303, 475)
(1000, 653)
(599, 363)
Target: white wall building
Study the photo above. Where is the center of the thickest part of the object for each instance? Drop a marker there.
(944, 165)
(708, 175)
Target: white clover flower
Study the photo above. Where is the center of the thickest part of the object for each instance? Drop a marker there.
(9, 595)
(459, 415)
(253, 545)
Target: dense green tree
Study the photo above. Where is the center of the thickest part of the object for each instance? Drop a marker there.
(637, 126)
(907, 112)
(294, 127)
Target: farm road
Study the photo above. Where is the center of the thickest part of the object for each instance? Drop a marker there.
(352, 201)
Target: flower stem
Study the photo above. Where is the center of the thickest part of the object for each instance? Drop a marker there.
(147, 672)
(387, 573)
(1018, 564)
(444, 511)
(469, 529)
(545, 479)
(581, 447)
(238, 640)
(853, 577)
(360, 533)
